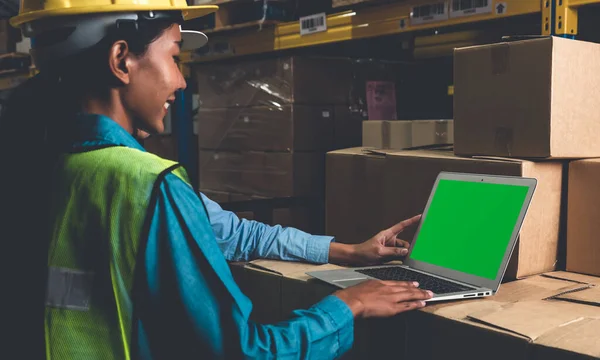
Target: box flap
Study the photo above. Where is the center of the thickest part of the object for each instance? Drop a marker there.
(463, 309)
(578, 278)
(580, 337)
(499, 158)
(348, 151)
(535, 288)
(590, 296)
(534, 318)
(290, 269)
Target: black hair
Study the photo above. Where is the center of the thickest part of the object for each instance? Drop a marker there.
(36, 124)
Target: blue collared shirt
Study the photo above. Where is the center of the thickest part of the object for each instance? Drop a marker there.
(191, 306)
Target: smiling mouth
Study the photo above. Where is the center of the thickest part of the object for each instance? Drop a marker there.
(168, 103)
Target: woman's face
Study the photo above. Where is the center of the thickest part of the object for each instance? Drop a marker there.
(154, 78)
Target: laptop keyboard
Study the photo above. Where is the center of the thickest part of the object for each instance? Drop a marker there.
(426, 282)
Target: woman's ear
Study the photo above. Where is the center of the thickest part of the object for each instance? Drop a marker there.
(120, 61)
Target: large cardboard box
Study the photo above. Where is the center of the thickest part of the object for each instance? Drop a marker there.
(527, 319)
(278, 288)
(527, 99)
(354, 194)
(388, 187)
(262, 173)
(583, 228)
(267, 128)
(281, 80)
(550, 316)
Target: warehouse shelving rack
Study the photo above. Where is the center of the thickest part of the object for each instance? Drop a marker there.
(558, 17)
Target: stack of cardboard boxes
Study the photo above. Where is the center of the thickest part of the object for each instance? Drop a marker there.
(521, 108)
(264, 126)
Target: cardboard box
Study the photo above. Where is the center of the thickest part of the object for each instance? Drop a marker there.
(262, 173)
(432, 132)
(222, 197)
(272, 81)
(267, 128)
(383, 134)
(583, 247)
(527, 319)
(398, 135)
(305, 218)
(527, 99)
(532, 319)
(354, 194)
(388, 187)
(278, 288)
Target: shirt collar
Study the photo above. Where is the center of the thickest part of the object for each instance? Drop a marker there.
(99, 130)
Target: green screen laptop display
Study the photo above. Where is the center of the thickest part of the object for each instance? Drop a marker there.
(469, 225)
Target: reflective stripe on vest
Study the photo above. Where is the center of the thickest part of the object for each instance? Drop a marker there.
(103, 203)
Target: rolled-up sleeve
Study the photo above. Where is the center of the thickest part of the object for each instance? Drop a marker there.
(187, 304)
(243, 240)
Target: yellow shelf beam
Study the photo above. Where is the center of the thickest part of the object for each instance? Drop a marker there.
(576, 3)
(370, 22)
(566, 17)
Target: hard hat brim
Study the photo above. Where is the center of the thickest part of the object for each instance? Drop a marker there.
(188, 12)
(192, 40)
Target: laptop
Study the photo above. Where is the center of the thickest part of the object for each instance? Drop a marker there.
(463, 242)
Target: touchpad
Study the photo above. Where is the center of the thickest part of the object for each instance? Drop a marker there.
(350, 282)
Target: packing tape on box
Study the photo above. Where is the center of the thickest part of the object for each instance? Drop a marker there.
(500, 58)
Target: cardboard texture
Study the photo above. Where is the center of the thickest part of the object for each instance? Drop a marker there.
(583, 247)
(517, 323)
(268, 82)
(388, 187)
(267, 128)
(526, 99)
(399, 135)
(263, 174)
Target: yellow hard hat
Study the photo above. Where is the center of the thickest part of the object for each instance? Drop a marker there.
(32, 10)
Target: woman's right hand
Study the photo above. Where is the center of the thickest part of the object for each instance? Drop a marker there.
(374, 298)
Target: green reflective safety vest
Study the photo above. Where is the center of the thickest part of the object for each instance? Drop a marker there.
(103, 203)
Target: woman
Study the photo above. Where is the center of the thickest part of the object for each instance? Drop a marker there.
(135, 267)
